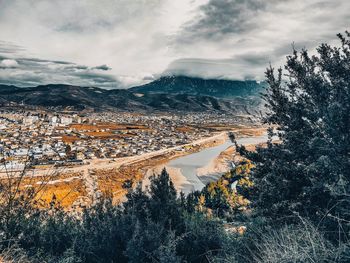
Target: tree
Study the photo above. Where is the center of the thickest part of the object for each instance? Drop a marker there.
(156, 215)
(163, 195)
(226, 196)
(308, 172)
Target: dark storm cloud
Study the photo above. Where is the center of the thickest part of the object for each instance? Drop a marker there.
(239, 38)
(102, 67)
(219, 18)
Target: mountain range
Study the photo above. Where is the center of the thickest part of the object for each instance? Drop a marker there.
(165, 94)
(219, 88)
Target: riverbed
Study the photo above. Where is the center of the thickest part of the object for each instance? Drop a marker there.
(189, 164)
(185, 168)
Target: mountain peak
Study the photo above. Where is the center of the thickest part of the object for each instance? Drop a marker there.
(222, 88)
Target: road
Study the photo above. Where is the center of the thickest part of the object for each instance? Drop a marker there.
(107, 163)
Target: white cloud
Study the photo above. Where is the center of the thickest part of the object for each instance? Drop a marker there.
(141, 38)
(8, 63)
(132, 37)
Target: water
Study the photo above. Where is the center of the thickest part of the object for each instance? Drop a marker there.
(189, 164)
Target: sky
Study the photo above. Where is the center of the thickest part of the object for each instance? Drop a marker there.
(123, 43)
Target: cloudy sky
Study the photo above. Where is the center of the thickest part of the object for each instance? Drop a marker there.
(120, 43)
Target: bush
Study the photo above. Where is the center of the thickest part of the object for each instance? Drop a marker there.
(294, 243)
(151, 226)
(14, 254)
(307, 172)
(265, 242)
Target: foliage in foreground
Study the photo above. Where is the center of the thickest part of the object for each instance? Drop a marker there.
(226, 197)
(299, 242)
(158, 226)
(308, 173)
(151, 226)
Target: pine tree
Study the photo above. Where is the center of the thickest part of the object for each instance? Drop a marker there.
(164, 205)
(308, 172)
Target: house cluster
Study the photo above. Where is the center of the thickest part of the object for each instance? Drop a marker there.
(46, 138)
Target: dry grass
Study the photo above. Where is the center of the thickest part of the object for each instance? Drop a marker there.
(296, 243)
(13, 254)
(111, 181)
(65, 192)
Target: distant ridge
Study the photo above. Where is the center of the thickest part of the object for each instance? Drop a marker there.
(170, 94)
(219, 88)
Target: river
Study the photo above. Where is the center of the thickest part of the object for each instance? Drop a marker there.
(189, 164)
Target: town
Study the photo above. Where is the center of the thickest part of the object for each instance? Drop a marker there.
(60, 138)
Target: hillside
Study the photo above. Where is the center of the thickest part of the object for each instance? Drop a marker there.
(60, 95)
(205, 87)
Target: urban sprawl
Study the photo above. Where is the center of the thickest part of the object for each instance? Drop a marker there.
(71, 138)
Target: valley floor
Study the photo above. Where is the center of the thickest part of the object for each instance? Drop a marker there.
(82, 185)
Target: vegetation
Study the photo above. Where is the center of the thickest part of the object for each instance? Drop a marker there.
(151, 226)
(308, 173)
(227, 196)
(292, 196)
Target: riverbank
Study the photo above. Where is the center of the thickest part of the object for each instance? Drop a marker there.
(192, 172)
(81, 185)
